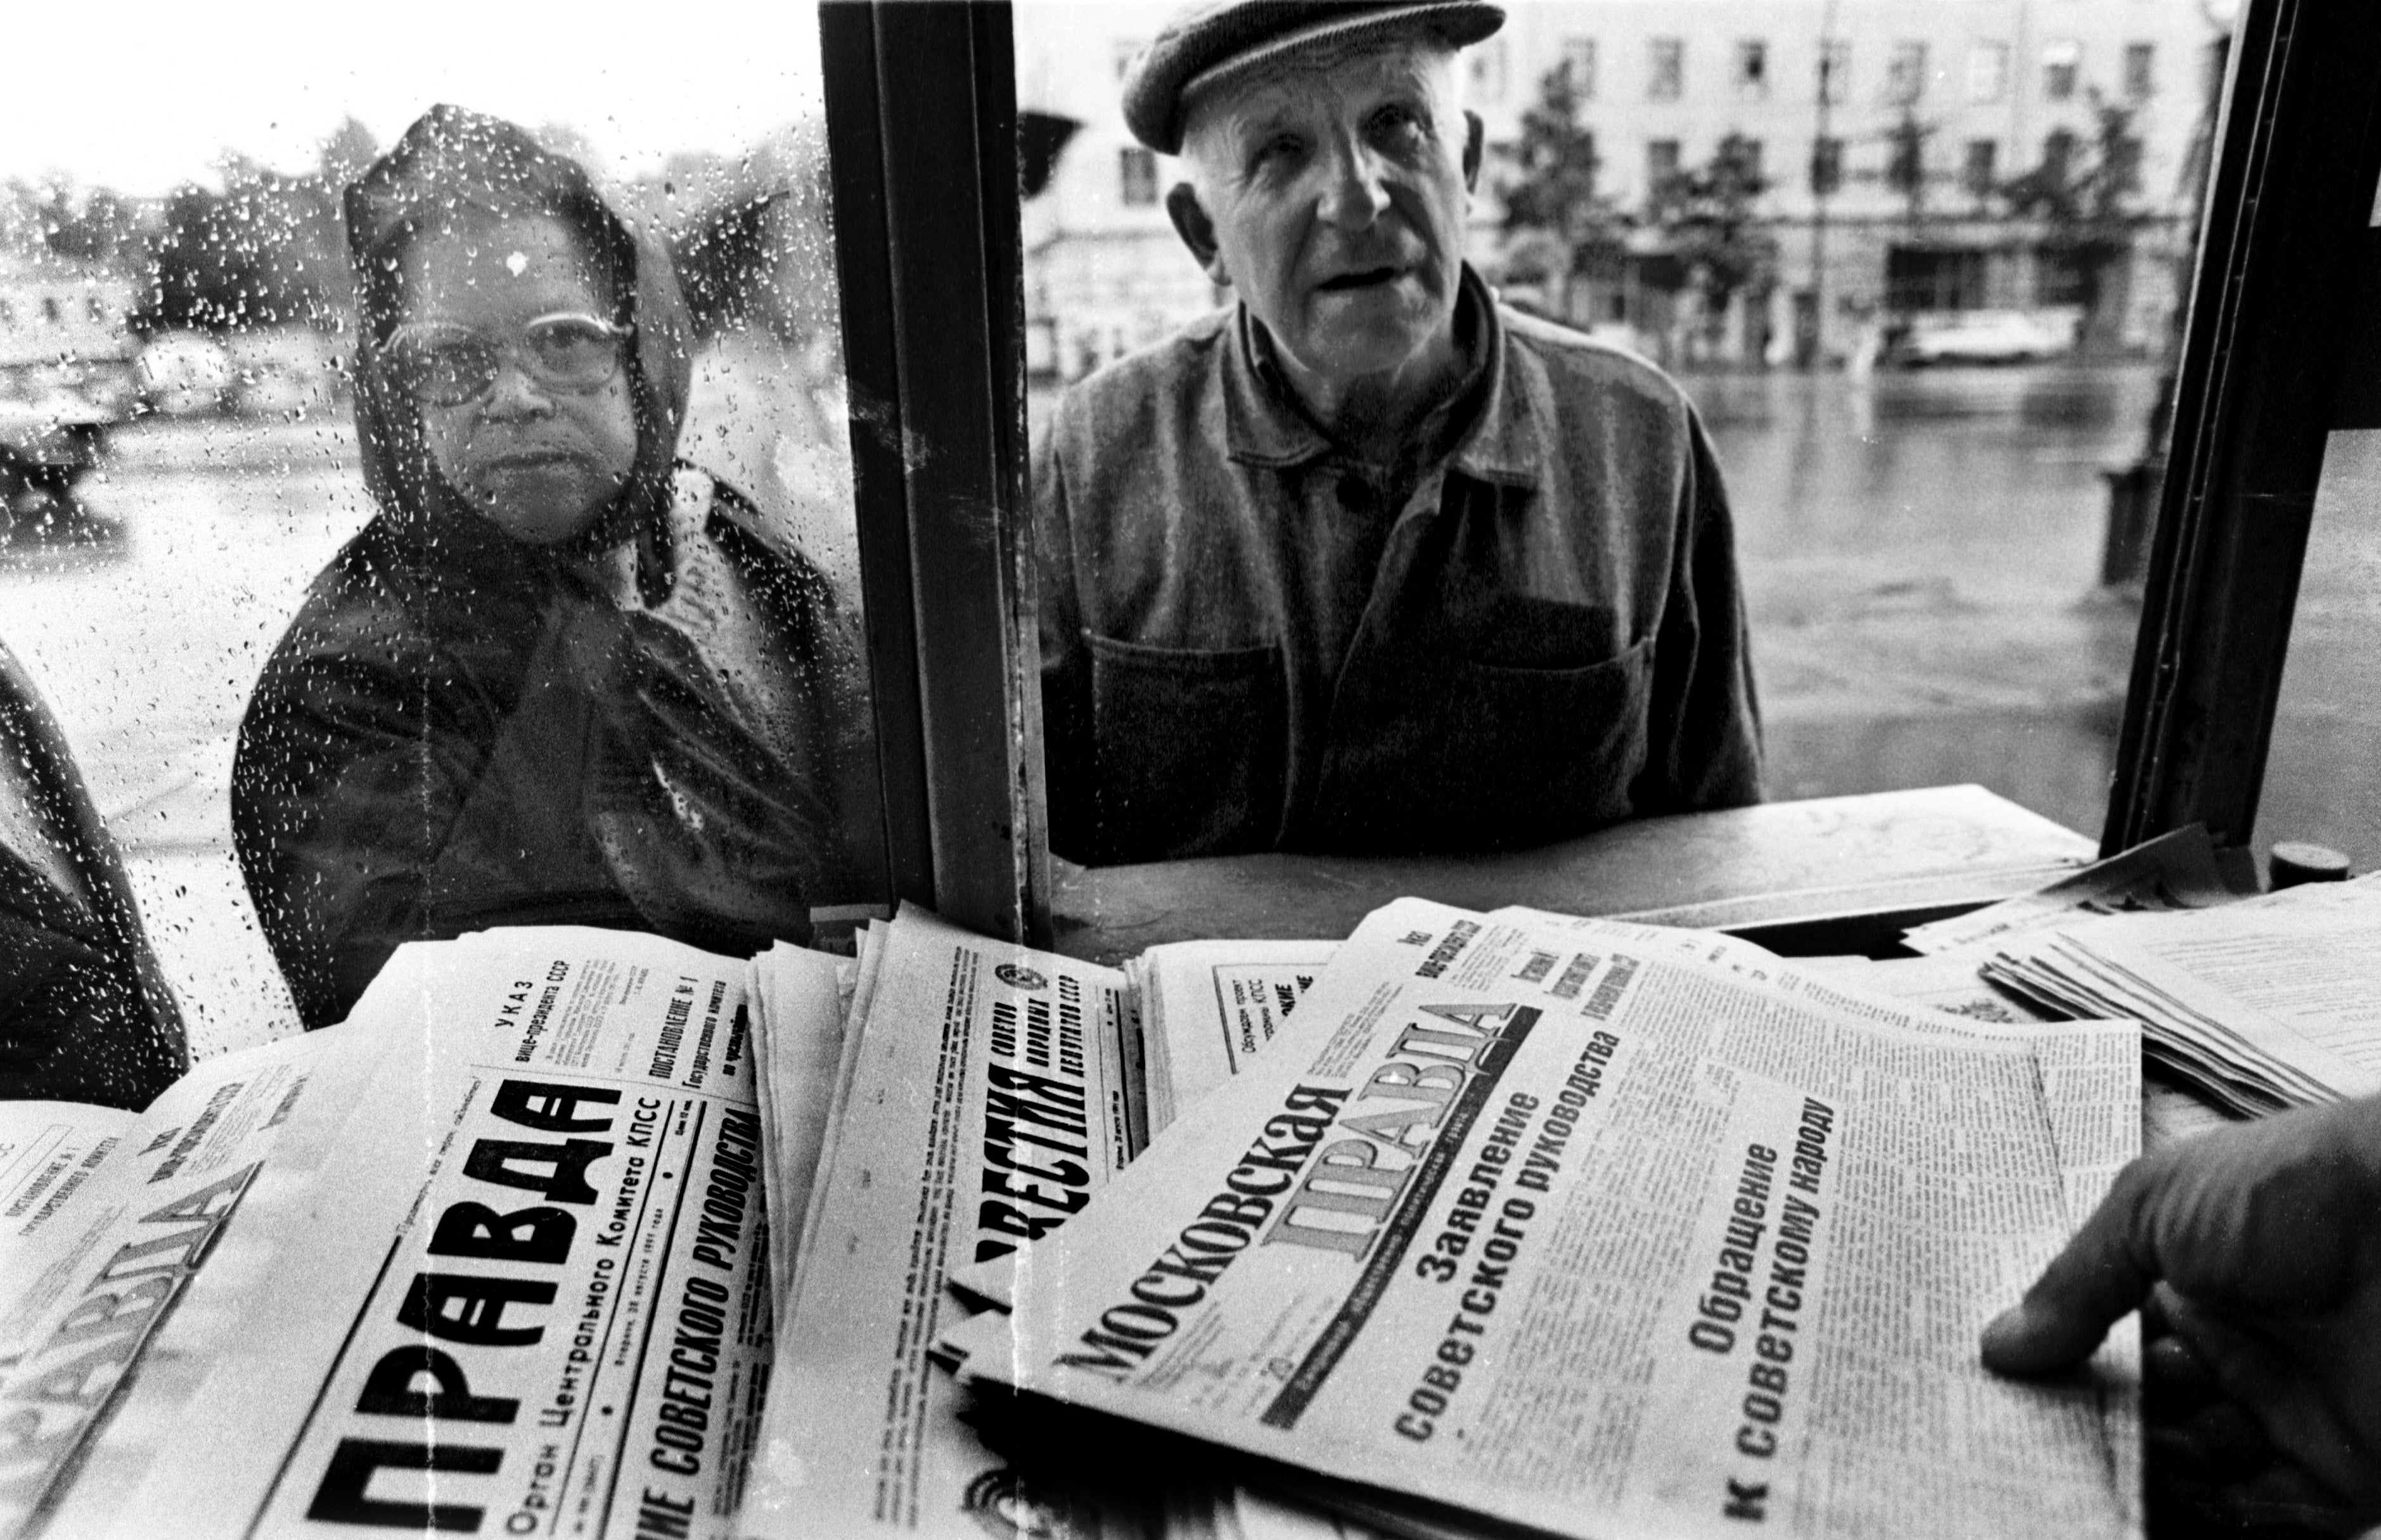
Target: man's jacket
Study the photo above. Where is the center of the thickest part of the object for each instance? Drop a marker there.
(1552, 639)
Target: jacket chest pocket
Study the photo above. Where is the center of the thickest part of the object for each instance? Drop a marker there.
(1191, 747)
(1532, 754)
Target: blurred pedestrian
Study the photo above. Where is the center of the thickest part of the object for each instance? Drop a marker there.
(85, 1015)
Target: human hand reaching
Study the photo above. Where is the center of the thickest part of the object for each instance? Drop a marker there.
(2260, 1246)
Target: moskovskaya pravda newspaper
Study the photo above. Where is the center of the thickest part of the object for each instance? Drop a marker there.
(524, 1293)
(1593, 1241)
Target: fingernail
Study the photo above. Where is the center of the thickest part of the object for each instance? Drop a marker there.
(2002, 1328)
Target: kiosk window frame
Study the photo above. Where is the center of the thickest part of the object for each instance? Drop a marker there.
(922, 130)
(2266, 371)
(922, 144)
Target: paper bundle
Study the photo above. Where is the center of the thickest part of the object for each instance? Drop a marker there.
(2261, 1005)
(487, 1256)
(1593, 1227)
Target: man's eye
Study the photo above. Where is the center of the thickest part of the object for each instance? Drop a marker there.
(1280, 150)
(1398, 126)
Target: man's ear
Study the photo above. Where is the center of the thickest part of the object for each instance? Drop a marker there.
(1475, 138)
(1197, 231)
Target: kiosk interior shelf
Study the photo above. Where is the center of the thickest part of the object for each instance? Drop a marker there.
(1831, 874)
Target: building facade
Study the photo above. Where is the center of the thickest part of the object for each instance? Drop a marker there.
(1894, 143)
(1105, 272)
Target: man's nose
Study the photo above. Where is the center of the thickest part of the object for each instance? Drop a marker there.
(1356, 193)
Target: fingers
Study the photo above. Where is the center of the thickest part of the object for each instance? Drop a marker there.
(2290, 1403)
(2173, 1373)
(2096, 1281)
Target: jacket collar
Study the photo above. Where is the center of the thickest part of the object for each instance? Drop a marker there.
(1504, 443)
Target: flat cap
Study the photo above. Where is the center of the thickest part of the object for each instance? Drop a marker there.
(1218, 36)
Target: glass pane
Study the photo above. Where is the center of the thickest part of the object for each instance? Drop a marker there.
(431, 536)
(2320, 779)
(2321, 783)
(1918, 267)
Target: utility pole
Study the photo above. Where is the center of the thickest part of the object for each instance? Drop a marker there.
(1819, 192)
(2021, 263)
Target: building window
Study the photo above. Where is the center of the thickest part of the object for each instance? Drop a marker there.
(1827, 166)
(1746, 154)
(1835, 71)
(1752, 70)
(2140, 78)
(1988, 72)
(2059, 155)
(1137, 170)
(1488, 71)
(1905, 168)
(1980, 173)
(1661, 166)
(2062, 65)
(1927, 278)
(2121, 163)
(1905, 73)
(1579, 58)
(1665, 79)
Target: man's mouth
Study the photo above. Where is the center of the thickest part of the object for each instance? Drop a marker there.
(1362, 278)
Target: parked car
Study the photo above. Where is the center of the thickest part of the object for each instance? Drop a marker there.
(47, 442)
(185, 373)
(1985, 337)
(282, 371)
(66, 379)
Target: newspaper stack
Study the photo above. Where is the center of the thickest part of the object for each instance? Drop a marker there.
(985, 1093)
(486, 1257)
(1207, 1007)
(2263, 1004)
(800, 1001)
(2173, 873)
(1593, 1229)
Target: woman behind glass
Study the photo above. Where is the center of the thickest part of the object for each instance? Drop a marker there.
(561, 677)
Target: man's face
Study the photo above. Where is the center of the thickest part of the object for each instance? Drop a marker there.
(1334, 188)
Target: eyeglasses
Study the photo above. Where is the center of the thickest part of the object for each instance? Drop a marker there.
(445, 366)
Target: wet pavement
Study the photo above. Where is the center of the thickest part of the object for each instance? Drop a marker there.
(1922, 555)
(1920, 551)
(146, 643)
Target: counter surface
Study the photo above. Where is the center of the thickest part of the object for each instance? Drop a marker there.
(1831, 874)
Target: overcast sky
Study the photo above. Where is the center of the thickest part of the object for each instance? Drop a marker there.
(143, 96)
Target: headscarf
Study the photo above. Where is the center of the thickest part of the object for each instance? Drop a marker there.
(456, 170)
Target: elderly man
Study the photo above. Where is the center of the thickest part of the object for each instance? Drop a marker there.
(1367, 562)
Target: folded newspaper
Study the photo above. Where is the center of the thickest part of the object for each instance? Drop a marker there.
(1953, 982)
(489, 1256)
(497, 1252)
(2175, 872)
(985, 1092)
(1543, 1224)
(2263, 1004)
(130, 1291)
